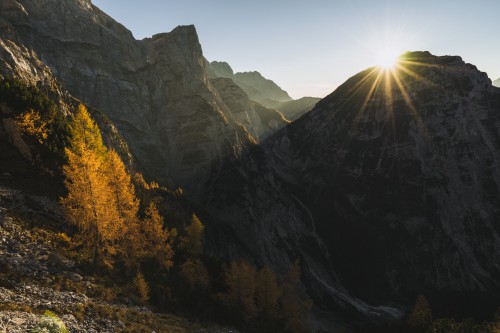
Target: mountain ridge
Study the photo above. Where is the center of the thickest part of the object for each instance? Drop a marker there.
(257, 87)
(263, 91)
(147, 87)
(339, 172)
(402, 176)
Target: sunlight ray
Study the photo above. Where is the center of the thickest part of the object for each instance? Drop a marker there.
(409, 102)
(404, 61)
(353, 91)
(389, 103)
(413, 74)
(367, 100)
(361, 82)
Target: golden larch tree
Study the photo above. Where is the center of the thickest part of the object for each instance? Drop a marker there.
(194, 273)
(157, 240)
(240, 281)
(267, 294)
(32, 124)
(126, 204)
(192, 241)
(90, 204)
(84, 131)
(121, 187)
(141, 287)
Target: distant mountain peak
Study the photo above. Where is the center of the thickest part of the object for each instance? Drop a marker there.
(263, 91)
(257, 87)
(222, 69)
(496, 83)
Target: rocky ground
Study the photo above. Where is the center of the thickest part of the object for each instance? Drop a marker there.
(36, 277)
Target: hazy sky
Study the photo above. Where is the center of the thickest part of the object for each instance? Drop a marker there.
(309, 47)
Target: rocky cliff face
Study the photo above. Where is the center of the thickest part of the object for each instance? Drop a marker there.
(387, 189)
(155, 90)
(412, 170)
(260, 121)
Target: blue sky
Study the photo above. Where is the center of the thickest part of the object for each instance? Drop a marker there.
(309, 47)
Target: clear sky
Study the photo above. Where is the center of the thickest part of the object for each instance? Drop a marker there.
(309, 47)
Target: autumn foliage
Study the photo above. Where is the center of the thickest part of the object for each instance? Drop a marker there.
(157, 239)
(32, 124)
(90, 204)
(128, 237)
(265, 301)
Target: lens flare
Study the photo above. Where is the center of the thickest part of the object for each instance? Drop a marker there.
(387, 58)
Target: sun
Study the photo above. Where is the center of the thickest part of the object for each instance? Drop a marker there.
(388, 57)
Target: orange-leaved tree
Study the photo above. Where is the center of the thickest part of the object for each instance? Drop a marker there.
(240, 282)
(157, 239)
(90, 204)
(126, 204)
(192, 241)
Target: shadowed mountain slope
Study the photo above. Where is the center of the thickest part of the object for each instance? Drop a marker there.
(387, 189)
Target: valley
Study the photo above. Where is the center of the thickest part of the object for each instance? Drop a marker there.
(355, 208)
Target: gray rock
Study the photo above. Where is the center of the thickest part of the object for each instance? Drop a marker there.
(74, 276)
(5, 283)
(259, 120)
(155, 90)
(58, 263)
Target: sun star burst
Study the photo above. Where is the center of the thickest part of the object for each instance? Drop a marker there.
(388, 57)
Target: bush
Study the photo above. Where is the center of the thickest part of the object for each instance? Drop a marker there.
(142, 288)
(50, 323)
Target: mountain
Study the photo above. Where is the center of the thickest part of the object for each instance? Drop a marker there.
(155, 90)
(223, 69)
(259, 120)
(387, 189)
(257, 87)
(296, 108)
(496, 83)
(263, 91)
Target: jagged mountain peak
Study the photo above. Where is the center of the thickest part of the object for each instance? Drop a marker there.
(417, 74)
(222, 69)
(401, 155)
(183, 31)
(155, 90)
(263, 91)
(257, 87)
(252, 74)
(267, 88)
(394, 177)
